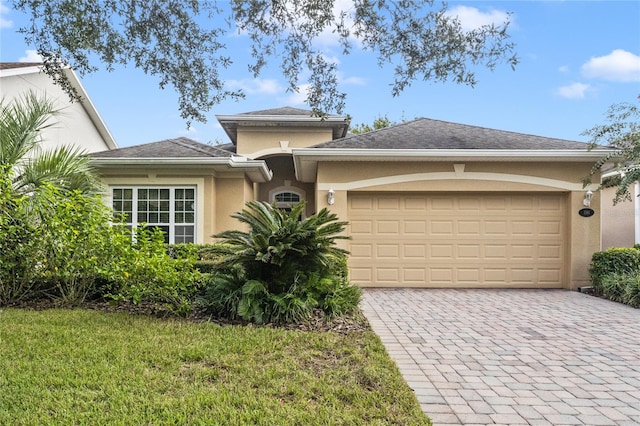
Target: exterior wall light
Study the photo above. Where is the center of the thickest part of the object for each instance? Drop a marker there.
(331, 196)
(587, 198)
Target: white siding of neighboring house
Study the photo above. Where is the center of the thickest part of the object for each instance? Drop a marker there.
(74, 126)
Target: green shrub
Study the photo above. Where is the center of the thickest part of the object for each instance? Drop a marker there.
(20, 248)
(282, 269)
(183, 251)
(205, 255)
(206, 266)
(612, 261)
(152, 276)
(80, 246)
(622, 287)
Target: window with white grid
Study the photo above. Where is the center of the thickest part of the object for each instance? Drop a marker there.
(171, 209)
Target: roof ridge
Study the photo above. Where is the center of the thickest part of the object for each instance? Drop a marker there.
(182, 141)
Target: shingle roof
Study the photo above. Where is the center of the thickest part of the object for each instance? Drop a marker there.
(169, 148)
(280, 111)
(12, 65)
(424, 133)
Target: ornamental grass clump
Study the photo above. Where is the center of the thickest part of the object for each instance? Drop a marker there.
(282, 269)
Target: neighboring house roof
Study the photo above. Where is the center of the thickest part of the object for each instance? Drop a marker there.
(181, 152)
(169, 148)
(424, 133)
(8, 69)
(280, 117)
(433, 140)
(282, 111)
(12, 65)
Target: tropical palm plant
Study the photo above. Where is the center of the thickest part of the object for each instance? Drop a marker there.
(22, 121)
(281, 269)
(278, 245)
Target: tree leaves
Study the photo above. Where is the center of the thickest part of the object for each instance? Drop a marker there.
(181, 42)
(622, 132)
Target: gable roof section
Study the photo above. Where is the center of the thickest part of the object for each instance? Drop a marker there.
(169, 148)
(282, 117)
(8, 69)
(424, 133)
(433, 140)
(181, 152)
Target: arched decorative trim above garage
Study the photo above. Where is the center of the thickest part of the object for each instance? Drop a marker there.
(478, 176)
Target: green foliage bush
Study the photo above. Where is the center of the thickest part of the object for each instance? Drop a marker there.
(622, 287)
(80, 247)
(152, 276)
(281, 270)
(20, 248)
(613, 261)
(63, 245)
(205, 255)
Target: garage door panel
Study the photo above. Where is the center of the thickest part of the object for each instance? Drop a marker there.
(388, 251)
(457, 240)
(364, 227)
(417, 251)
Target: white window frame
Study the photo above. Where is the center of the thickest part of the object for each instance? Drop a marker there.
(133, 222)
(283, 190)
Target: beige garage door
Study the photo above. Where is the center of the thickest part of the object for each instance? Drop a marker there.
(453, 240)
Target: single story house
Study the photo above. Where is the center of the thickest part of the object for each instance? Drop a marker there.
(429, 203)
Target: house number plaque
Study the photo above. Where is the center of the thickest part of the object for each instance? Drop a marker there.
(586, 212)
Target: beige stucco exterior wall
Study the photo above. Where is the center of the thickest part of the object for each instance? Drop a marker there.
(256, 142)
(583, 234)
(618, 221)
(72, 127)
(232, 191)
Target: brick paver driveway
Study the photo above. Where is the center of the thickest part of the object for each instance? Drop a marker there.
(537, 357)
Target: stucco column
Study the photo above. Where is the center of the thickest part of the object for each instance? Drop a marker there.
(339, 207)
(585, 238)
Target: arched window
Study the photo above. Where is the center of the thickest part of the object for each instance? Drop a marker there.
(285, 199)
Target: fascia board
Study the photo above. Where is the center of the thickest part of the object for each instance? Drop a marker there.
(446, 154)
(90, 109)
(256, 169)
(279, 118)
(20, 71)
(306, 159)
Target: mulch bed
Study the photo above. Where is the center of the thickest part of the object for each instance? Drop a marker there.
(355, 322)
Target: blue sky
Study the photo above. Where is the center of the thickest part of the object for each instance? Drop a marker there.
(577, 58)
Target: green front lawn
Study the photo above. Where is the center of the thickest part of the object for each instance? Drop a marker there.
(60, 367)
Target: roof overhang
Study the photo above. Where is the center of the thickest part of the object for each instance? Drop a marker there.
(256, 170)
(306, 159)
(230, 123)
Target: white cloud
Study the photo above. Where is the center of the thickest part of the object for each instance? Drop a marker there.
(299, 97)
(256, 86)
(564, 68)
(355, 81)
(30, 56)
(619, 65)
(472, 18)
(4, 23)
(573, 91)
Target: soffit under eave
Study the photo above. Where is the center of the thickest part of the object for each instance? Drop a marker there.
(256, 170)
